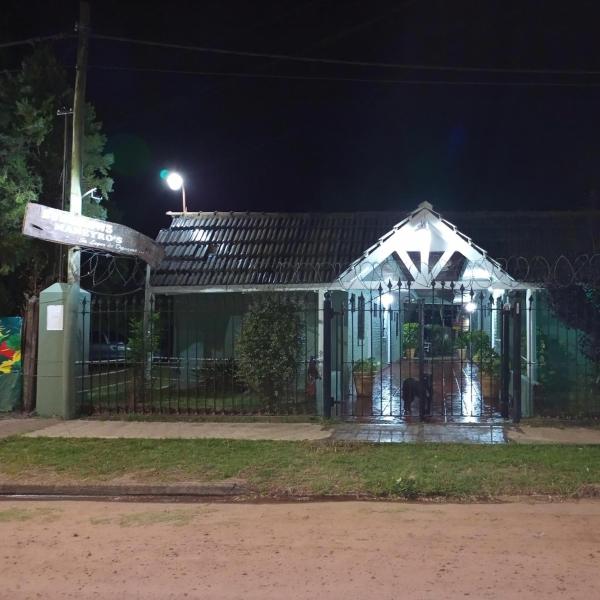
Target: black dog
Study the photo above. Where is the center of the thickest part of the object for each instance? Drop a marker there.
(413, 388)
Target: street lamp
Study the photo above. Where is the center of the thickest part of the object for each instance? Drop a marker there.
(96, 199)
(175, 182)
(470, 307)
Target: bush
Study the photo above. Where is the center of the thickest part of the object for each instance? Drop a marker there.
(269, 347)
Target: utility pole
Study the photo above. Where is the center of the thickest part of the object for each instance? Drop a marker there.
(66, 113)
(83, 29)
(64, 330)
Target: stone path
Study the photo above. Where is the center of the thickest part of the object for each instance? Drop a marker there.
(10, 425)
(525, 434)
(184, 430)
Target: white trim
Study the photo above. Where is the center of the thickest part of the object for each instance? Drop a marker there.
(168, 290)
(402, 240)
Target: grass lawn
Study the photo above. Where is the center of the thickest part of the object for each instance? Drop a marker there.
(299, 468)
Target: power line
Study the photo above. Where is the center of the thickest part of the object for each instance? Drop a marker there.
(346, 79)
(37, 40)
(335, 61)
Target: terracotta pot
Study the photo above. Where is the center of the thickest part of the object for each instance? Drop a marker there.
(461, 354)
(490, 387)
(410, 352)
(364, 394)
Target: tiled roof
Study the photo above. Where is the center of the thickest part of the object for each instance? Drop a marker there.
(222, 249)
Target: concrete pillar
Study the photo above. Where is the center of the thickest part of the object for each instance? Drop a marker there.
(531, 353)
(62, 349)
(320, 336)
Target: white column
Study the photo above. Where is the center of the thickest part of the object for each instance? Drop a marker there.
(320, 334)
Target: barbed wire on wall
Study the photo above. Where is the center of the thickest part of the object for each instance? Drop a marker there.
(536, 271)
(106, 274)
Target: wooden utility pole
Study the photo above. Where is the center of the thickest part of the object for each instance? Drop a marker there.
(83, 29)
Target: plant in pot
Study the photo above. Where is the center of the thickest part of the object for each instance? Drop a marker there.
(488, 362)
(363, 373)
(462, 343)
(410, 338)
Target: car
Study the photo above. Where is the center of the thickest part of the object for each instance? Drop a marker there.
(106, 347)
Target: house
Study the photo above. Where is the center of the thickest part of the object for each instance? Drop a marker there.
(361, 277)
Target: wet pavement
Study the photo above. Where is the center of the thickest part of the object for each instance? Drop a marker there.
(458, 433)
(458, 392)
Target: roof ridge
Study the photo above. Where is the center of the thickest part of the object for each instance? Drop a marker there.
(287, 214)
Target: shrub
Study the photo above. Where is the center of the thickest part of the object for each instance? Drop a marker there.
(269, 347)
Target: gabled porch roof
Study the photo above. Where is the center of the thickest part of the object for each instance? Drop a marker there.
(425, 249)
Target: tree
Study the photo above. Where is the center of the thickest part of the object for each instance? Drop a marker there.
(269, 348)
(31, 163)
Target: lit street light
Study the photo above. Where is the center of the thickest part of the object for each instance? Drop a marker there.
(175, 182)
(470, 307)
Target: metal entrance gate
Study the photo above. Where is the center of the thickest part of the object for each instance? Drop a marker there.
(448, 354)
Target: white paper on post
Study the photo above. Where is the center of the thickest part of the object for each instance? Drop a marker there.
(54, 317)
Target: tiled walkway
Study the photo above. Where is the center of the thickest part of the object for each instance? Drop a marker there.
(421, 432)
(458, 393)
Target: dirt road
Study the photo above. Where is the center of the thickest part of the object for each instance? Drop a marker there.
(290, 551)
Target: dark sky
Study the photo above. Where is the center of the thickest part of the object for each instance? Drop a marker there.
(279, 144)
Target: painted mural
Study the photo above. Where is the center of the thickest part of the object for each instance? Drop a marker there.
(10, 345)
(11, 374)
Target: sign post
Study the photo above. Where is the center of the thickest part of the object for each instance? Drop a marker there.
(63, 333)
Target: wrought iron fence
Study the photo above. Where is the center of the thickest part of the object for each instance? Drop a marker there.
(444, 353)
(448, 353)
(466, 355)
(180, 355)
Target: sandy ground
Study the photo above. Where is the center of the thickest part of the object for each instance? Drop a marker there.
(323, 550)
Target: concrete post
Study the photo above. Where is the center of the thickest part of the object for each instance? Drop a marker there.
(62, 349)
(320, 352)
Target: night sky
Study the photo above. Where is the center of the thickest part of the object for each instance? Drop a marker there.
(275, 144)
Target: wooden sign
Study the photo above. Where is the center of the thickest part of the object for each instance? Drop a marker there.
(62, 227)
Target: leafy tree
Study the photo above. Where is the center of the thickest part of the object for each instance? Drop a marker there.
(31, 161)
(269, 347)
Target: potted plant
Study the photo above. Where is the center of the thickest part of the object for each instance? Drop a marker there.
(410, 338)
(363, 373)
(488, 362)
(462, 344)
(479, 343)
